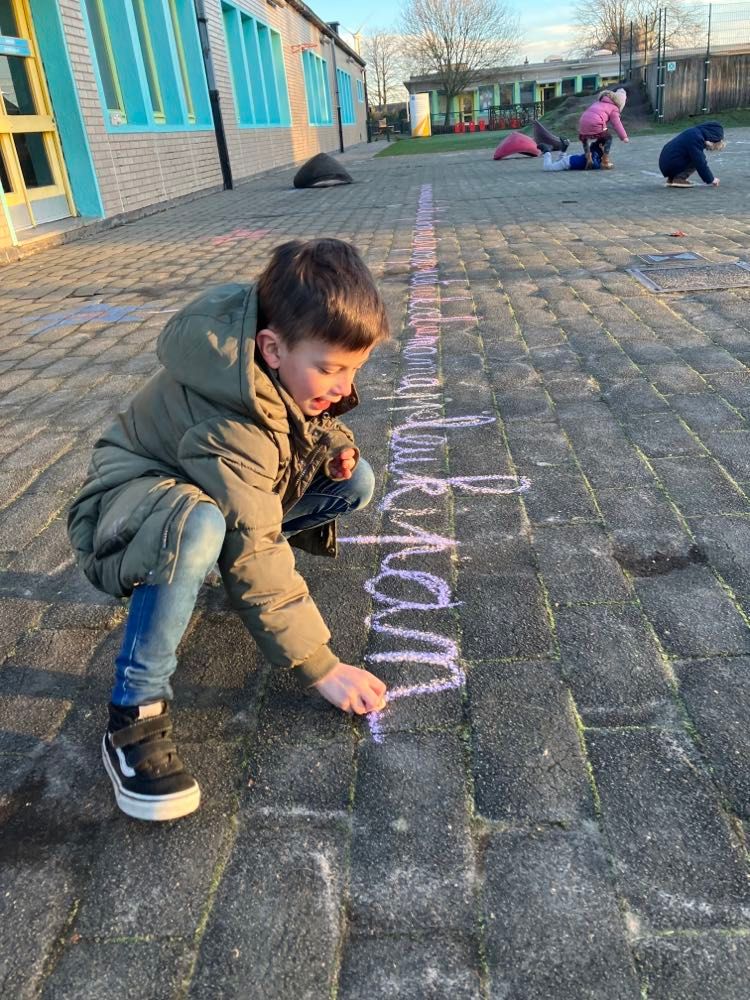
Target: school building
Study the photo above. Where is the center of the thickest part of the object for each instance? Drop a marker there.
(512, 88)
(111, 106)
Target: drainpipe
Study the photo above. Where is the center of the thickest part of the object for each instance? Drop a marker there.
(334, 26)
(213, 94)
(367, 108)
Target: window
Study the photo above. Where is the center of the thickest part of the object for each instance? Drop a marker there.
(345, 97)
(104, 56)
(258, 74)
(528, 91)
(149, 63)
(316, 88)
(182, 59)
(360, 92)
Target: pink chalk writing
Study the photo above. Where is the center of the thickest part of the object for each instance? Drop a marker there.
(417, 455)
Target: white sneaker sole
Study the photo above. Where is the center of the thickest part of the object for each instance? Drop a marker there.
(155, 808)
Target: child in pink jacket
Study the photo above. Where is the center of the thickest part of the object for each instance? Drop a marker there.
(594, 121)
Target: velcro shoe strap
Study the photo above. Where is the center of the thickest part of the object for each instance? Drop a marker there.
(156, 752)
(141, 730)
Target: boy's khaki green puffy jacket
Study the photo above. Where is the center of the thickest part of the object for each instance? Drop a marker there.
(214, 425)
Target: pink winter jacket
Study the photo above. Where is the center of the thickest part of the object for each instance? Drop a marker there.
(595, 119)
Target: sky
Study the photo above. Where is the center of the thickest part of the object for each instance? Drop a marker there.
(545, 30)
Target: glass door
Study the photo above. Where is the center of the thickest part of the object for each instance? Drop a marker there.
(31, 166)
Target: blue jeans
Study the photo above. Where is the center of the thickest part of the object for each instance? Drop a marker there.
(159, 615)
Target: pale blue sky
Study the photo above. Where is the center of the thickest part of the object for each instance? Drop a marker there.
(545, 26)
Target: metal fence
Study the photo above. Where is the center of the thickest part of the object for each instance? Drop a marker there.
(507, 116)
(693, 58)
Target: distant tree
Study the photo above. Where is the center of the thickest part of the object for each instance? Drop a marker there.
(605, 24)
(383, 52)
(458, 40)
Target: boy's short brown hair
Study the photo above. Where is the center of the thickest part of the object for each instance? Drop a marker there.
(321, 289)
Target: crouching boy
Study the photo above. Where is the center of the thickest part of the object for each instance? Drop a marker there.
(685, 154)
(230, 452)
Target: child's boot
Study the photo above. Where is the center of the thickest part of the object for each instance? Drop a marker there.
(142, 763)
(607, 164)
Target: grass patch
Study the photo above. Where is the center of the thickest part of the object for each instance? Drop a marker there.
(561, 121)
(736, 118)
(450, 143)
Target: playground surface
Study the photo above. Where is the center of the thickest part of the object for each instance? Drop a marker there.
(553, 579)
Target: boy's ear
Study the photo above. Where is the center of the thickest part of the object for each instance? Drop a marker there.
(269, 345)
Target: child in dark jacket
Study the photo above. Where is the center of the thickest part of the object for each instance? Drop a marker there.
(231, 452)
(685, 154)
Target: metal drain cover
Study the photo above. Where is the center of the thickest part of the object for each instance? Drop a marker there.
(691, 279)
(664, 258)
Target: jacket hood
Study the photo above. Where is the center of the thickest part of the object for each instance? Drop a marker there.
(209, 346)
(617, 97)
(712, 131)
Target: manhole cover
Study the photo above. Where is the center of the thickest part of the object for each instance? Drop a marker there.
(690, 279)
(664, 258)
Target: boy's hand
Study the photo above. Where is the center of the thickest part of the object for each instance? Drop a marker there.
(626, 139)
(352, 690)
(342, 466)
(715, 182)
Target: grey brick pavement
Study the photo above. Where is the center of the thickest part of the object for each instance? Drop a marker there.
(571, 821)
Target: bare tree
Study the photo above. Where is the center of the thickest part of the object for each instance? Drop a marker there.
(383, 51)
(459, 40)
(605, 24)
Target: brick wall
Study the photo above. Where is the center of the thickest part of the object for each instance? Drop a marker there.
(255, 149)
(139, 169)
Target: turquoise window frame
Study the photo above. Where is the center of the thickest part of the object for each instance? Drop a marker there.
(360, 92)
(317, 89)
(345, 97)
(178, 111)
(256, 63)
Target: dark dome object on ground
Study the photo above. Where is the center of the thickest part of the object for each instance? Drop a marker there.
(321, 171)
(545, 137)
(514, 143)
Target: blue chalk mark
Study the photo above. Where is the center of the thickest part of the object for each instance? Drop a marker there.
(91, 312)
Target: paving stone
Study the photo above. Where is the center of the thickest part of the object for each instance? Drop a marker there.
(558, 495)
(706, 412)
(520, 631)
(697, 486)
(675, 377)
(692, 614)
(732, 449)
(660, 435)
(412, 859)
(576, 564)
(715, 693)
(613, 666)
(538, 443)
(579, 949)
(678, 864)
(88, 968)
(645, 527)
(726, 542)
(528, 765)
(36, 899)
(695, 966)
(734, 388)
(436, 968)
(286, 877)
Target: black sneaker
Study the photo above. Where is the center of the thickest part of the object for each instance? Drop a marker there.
(142, 763)
(544, 147)
(564, 143)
